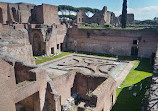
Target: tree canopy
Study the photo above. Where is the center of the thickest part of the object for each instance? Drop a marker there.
(124, 14)
(74, 9)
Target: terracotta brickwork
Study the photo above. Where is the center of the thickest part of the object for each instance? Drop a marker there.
(117, 42)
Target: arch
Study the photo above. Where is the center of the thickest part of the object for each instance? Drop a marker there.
(79, 19)
(1, 15)
(82, 19)
(14, 13)
(37, 44)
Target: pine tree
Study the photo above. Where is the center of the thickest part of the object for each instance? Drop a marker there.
(124, 14)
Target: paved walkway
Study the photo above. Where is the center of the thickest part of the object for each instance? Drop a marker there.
(124, 73)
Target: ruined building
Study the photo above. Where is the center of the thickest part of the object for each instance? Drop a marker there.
(130, 19)
(100, 17)
(103, 17)
(74, 82)
(27, 30)
(141, 43)
(46, 34)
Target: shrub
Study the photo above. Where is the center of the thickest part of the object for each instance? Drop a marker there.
(93, 24)
(107, 25)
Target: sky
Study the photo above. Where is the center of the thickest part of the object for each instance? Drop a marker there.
(143, 9)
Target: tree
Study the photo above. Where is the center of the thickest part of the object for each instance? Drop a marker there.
(124, 14)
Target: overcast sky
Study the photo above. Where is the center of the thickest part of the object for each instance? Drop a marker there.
(143, 9)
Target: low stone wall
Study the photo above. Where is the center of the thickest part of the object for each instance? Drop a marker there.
(153, 100)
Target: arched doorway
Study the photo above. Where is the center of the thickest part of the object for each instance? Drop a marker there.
(1, 15)
(37, 45)
(14, 13)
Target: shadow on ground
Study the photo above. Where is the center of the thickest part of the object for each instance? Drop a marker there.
(146, 68)
(126, 101)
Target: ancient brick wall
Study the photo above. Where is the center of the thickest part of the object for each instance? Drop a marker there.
(23, 52)
(152, 97)
(7, 84)
(117, 42)
(100, 17)
(85, 85)
(19, 12)
(106, 101)
(130, 19)
(64, 90)
(18, 44)
(82, 17)
(25, 12)
(50, 14)
(108, 17)
(50, 39)
(37, 15)
(3, 12)
(14, 93)
(13, 13)
(38, 41)
(57, 39)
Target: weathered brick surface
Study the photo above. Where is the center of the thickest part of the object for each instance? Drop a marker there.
(117, 42)
(29, 89)
(153, 100)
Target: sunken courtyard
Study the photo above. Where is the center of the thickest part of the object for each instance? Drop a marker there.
(48, 65)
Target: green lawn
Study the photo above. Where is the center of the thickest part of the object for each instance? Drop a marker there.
(48, 58)
(140, 74)
(118, 28)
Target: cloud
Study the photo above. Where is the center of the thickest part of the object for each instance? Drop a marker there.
(142, 13)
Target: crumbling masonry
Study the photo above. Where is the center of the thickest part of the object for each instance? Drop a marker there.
(74, 82)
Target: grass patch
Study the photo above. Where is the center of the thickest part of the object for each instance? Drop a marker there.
(41, 59)
(140, 74)
(119, 28)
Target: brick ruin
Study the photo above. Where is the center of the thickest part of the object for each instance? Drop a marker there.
(99, 78)
(88, 83)
(153, 105)
(130, 19)
(45, 33)
(103, 17)
(141, 43)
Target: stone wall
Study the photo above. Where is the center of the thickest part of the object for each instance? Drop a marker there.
(25, 12)
(19, 12)
(7, 81)
(50, 14)
(89, 84)
(16, 43)
(3, 12)
(152, 100)
(17, 87)
(99, 91)
(37, 15)
(48, 40)
(23, 52)
(11, 13)
(64, 91)
(100, 17)
(82, 17)
(117, 42)
(130, 19)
